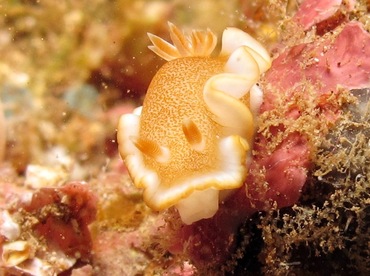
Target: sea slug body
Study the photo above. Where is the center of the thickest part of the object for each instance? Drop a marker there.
(192, 136)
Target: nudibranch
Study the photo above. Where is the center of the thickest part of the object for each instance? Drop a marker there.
(191, 138)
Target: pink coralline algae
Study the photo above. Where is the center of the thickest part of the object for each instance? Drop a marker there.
(71, 235)
(326, 66)
(312, 12)
(49, 220)
(325, 63)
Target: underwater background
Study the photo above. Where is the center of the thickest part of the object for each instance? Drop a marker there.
(70, 69)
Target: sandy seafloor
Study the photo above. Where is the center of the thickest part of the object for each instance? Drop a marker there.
(69, 69)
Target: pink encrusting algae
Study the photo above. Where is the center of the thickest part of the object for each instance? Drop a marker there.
(318, 73)
(312, 12)
(48, 220)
